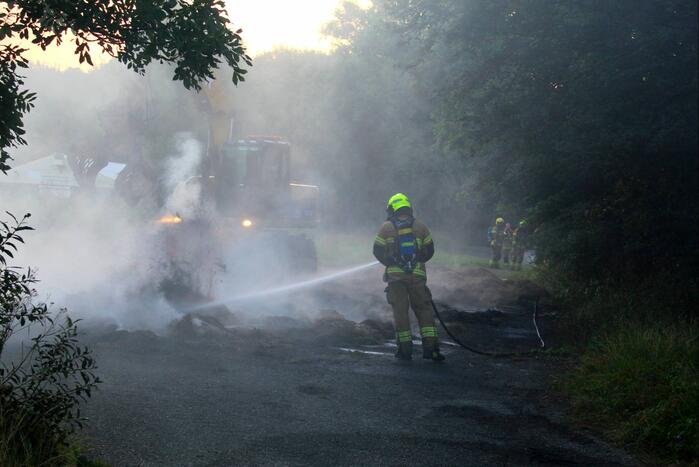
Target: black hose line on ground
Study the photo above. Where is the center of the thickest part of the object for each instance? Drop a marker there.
(494, 354)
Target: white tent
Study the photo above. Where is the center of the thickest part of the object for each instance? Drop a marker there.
(108, 175)
(51, 174)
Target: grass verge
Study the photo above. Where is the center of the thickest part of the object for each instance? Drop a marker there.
(638, 373)
(340, 249)
(343, 249)
(641, 383)
(458, 261)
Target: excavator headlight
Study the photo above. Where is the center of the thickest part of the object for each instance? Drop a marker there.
(170, 220)
(247, 223)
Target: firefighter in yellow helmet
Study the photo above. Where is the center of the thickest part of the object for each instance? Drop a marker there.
(496, 238)
(507, 237)
(520, 243)
(404, 245)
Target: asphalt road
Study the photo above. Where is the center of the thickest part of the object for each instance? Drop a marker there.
(327, 391)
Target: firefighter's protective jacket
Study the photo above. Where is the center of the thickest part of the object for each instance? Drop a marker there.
(520, 237)
(507, 238)
(496, 235)
(386, 250)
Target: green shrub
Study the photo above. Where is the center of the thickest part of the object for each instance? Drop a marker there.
(43, 380)
(642, 383)
(589, 308)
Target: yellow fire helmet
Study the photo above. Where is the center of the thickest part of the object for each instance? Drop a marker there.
(499, 220)
(397, 201)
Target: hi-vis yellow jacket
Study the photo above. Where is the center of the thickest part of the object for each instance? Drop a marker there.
(386, 251)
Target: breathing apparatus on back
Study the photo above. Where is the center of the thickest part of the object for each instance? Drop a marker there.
(400, 214)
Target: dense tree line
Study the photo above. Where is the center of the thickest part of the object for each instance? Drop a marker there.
(583, 115)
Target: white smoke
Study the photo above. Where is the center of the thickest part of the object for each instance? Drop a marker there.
(184, 192)
(95, 256)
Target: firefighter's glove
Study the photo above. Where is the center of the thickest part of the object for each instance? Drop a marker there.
(422, 256)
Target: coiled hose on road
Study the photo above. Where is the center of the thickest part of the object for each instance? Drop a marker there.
(494, 354)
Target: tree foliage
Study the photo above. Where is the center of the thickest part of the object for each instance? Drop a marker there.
(194, 36)
(14, 101)
(583, 116)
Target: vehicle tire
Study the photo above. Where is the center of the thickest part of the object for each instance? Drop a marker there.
(304, 254)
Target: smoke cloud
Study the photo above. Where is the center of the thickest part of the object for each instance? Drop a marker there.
(108, 259)
(184, 198)
(94, 255)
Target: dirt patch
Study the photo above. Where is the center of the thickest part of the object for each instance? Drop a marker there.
(280, 323)
(483, 288)
(332, 328)
(378, 329)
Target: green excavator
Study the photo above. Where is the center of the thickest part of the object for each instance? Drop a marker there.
(251, 224)
(254, 225)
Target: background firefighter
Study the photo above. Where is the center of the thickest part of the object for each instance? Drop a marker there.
(520, 239)
(404, 245)
(496, 237)
(507, 245)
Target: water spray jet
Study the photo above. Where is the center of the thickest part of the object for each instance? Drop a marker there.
(285, 288)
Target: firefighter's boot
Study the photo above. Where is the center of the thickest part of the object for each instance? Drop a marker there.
(405, 351)
(431, 352)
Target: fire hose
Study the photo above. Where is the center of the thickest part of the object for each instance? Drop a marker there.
(494, 354)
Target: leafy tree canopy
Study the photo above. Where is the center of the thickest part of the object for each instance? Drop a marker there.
(580, 115)
(195, 36)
